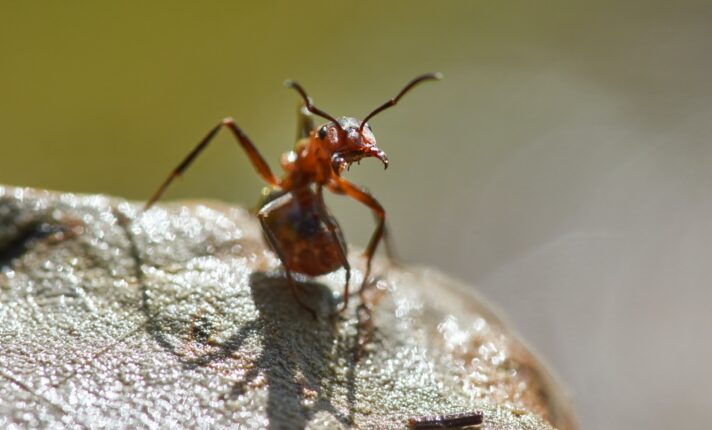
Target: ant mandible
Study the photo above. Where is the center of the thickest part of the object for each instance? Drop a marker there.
(295, 221)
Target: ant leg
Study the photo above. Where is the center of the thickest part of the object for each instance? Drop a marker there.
(334, 230)
(387, 239)
(305, 122)
(390, 247)
(255, 158)
(364, 312)
(262, 214)
(295, 293)
(342, 186)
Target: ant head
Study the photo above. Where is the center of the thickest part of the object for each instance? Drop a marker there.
(348, 140)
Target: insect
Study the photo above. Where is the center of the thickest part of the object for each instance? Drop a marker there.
(295, 221)
(446, 421)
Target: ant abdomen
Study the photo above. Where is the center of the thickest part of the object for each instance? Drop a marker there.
(302, 232)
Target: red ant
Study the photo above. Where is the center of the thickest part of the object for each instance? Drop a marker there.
(295, 221)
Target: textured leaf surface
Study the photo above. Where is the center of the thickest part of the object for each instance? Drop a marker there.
(180, 318)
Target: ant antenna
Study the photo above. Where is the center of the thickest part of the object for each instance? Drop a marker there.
(309, 104)
(392, 102)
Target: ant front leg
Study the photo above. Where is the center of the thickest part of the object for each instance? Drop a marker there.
(342, 186)
(365, 324)
(255, 158)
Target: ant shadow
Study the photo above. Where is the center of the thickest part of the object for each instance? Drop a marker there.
(301, 359)
(296, 357)
(296, 360)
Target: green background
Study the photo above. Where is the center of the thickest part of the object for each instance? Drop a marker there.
(562, 166)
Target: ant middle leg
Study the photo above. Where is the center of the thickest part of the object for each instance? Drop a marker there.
(335, 232)
(295, 292)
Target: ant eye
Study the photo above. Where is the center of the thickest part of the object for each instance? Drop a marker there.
(322, 133)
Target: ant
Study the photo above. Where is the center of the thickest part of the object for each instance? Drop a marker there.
(295, 221)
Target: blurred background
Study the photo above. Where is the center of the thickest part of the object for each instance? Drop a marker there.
(563, 167)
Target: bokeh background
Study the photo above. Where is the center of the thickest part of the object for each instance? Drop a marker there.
(563, 167)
